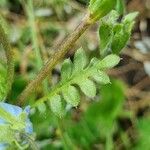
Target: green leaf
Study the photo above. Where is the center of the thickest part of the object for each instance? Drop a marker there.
(91, 3)
(113, 35)
(101, 77)
(143, 130)
(105, 33)
(88, 88)
(105, 112)
(120, 7)
(94, 61)
(100, 8)
(130, 17)
(109, 62)
(93, 70)
(120, 38)
(71, 95)
(122, 32)
(66, 70)
(56, 105)
(42, 108)
(80, 60)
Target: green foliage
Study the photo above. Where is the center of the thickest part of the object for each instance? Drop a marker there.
(114, 35)
(79, 74)
(100, 8)
(143, 131)
(120, 7)
(3, 3)
(109, 108)
(100, 119)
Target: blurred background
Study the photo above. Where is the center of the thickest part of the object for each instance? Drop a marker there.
(119, 117)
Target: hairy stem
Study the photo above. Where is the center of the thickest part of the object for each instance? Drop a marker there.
(55, 58)
(9, 55)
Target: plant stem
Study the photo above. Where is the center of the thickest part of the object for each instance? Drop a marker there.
(32, 23)
(55, 58)
(31, 19)
(9, 55)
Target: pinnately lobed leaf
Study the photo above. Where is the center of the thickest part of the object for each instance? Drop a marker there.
(80, 74)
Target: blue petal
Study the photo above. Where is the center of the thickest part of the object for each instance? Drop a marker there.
(12, 109)
(29, 127)
(3, 146)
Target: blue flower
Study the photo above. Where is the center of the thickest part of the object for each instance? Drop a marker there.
(16, 112)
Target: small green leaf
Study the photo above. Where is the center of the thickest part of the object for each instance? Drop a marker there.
(120, 7)
(91, 3)
(100, 8)
(130, 17)
(71, 95)
(56, 105)
(101, 77)
(109, 62)
(93, 62)
(122, 32)
(42, 108)
(80, 60)
(112, 18)
(66, 70)
(105, 33)
(88, 88)
(120, 38)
